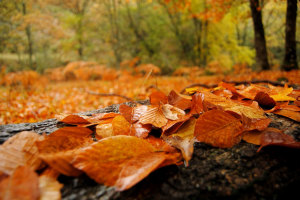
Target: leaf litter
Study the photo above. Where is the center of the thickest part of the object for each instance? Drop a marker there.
(121, 149)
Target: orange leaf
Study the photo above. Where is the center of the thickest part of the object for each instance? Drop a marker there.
(22, 184)
(120, 161)
(289, 113)
(104, 130)
(160, 145)
(171, 112)
(273, 136)
(154, 116)
(157, 97)
(253, 137)
(138, 112)
(121, 126)
(218, 128)
(20, 150)
(255, 124)
(179, 100)
(58, 149)
(75, 119)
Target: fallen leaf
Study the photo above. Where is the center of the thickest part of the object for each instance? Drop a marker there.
(264, 100)
(104, 130)
(20, 150)
(22, 184)
(119, 161)
(180, 101)
(49, 186)
(58, 148)
(154, 115)
(140, 130)
(253, 137)
(75, 119)
(255, 124)
(173, 125)
(197, 103)
(218, 128)
(172, 112)
(160, 145)
(138, 112)
(127, 112)
(157, 98)
(183, 139)
(121, 126)
(289, 113)
(273, 136)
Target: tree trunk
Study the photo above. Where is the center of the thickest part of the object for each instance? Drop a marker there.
(214, 173)
(29, 38)
(259, 34)
(290, 58)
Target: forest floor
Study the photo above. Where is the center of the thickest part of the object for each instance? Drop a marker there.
(44, 99)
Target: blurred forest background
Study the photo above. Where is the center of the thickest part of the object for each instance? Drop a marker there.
(41, 34)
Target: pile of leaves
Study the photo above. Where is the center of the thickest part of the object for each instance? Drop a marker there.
(121, 149)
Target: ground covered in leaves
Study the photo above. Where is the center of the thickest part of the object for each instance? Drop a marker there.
(120, 149)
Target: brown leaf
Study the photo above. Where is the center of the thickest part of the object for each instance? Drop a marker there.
(197, 103)
(183, 139)
(20, 150)
(178, 100)
(173, 125)
(264, 100)
(22, 184)
(273, 136)
(119, 161)
(127, 112)
(218, 128)
(154, 116)
(255, 124)
(58, 149)
(157, 98)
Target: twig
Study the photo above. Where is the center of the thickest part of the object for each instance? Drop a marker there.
(109, 95)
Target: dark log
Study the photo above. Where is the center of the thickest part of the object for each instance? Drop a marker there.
(236, 173)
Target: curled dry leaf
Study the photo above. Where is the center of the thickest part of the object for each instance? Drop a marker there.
(255, 124)
(140, 130)
(154, 116)
(180, 101)
(183, 139)
(22, 184)
(20, 150)
(172, 112)
(273, 136)
(119, 161)
(157, 98)
(289, 113)
(172, 126)
(264, 100)
(281, 93)
(197, 103)
(58, 149)
(138, 112)
(160, 145)
(218, 128)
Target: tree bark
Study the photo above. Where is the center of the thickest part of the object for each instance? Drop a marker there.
(259, 35)
(214, 173)
(290, 58)
(29, 38)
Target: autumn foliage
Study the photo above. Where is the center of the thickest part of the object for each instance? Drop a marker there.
(120, 149)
